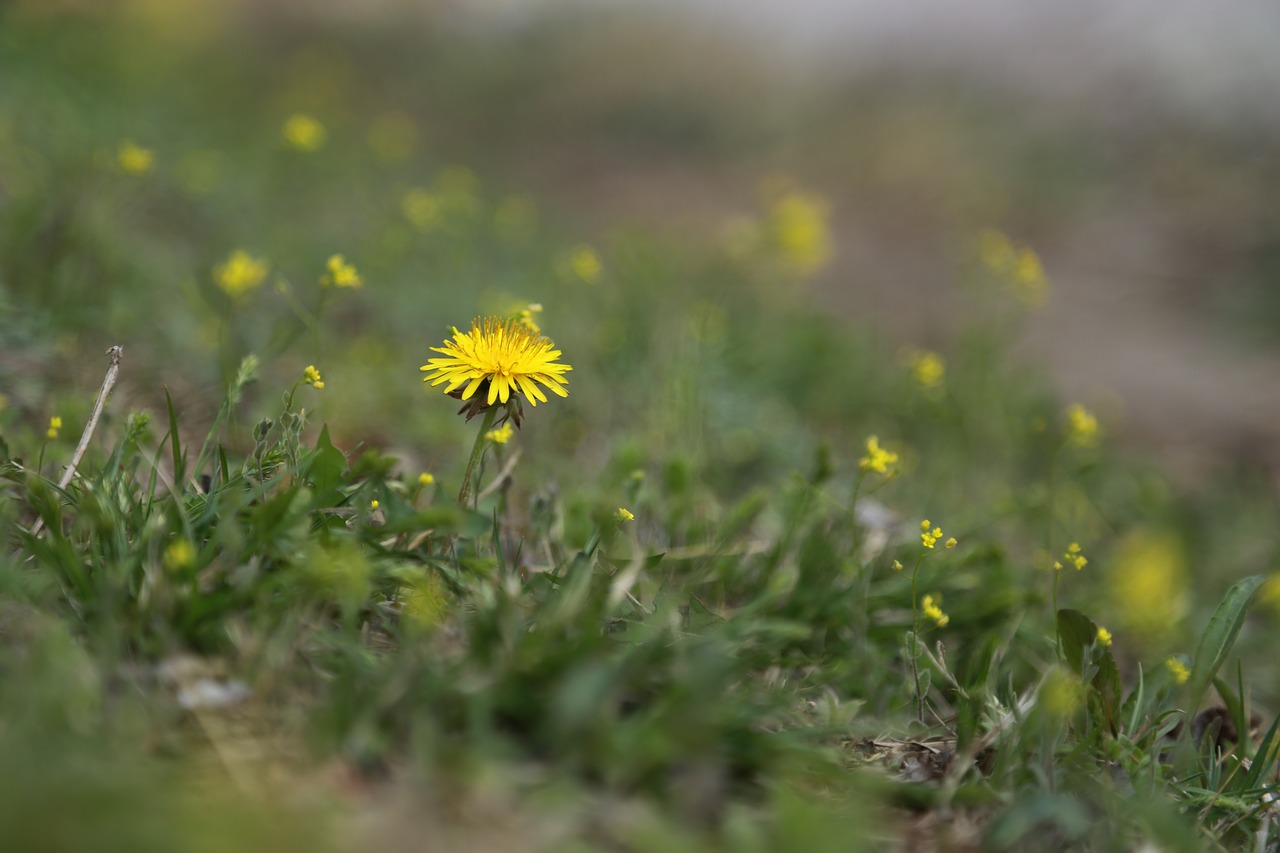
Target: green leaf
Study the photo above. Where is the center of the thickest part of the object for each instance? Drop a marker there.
(1078, 636)
(325, 468)
(175, 445)
(1220, 635)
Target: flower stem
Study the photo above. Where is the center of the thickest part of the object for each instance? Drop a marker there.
(477, 451)
(915, 639)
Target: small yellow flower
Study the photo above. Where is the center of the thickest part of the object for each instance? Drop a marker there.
(929, 538)
(927, 368)
(311, 376)
(1104, 637)
(1082, 426)
(134, 159)
(426, 479)
(55, 424)
(877, 459)
(373, 504)
(1178, 670)
(501, 435)
(1073, 557)
(623, 514)
(931, 609)
(585, 263)
(240, 274)
(897, 566)
(303, 133)
(951, 543)
(798, 228)
(340, 273)
(180, 554)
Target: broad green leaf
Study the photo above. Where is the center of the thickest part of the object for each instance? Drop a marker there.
(1220, 635)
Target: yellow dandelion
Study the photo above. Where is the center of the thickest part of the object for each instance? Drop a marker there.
(623, 514)
(240, 274)
(303, 133)
(134, 159)
(500, 358)
(340, 273)
(877, 459)
(55, 424)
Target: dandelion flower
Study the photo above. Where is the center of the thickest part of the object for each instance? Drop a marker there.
(303, 133)
(623, 514)
(500, 359)
(311, 376)
(340, 273)
(134, 159)
(1178, 670)
(240, 274)
(877, 459)
(55, 424)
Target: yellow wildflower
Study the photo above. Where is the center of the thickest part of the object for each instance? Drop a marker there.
(500, 435)
(526, 315)
(1177, 669)
(897, 566)
(340, 273)
(240, 274)
(1104, 637)
(180, 554)
(1082, 426)
(931, 609)
(877, 459)
(134, 159)
(499, 358)
(55, 424)
(585, 263)
(951, 543)
(303, 133)
(927, 368)
(623, 514)
(1148, 581)
(1073, 557)
(1030, 284)
(426, 479)
(311, 376)
(928, 537)
(798, 226)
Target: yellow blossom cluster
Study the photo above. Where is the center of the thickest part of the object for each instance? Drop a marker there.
(180, 554)
(1072, 557)
(133, 158)
(929, 538)
(500, 435)
(1017, 266)
(877, 459)
(1178, 670)
(340, 273)
(1104, 637)
(525, 317)
(55, 424)
(926, 367)
(303, 133)
(240, 274)
(1082, 426)
(311, 376)
(930, 607)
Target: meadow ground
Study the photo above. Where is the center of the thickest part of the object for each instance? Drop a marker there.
(756, 583)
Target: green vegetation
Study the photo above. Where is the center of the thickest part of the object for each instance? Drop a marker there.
(693, 605)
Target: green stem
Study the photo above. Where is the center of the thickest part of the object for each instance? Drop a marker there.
(477, 451)
(915, 634)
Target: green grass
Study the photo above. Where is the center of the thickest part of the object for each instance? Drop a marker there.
(740, 667)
